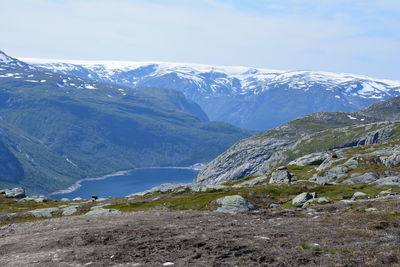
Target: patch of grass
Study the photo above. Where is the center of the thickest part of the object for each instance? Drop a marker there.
(241, 180)
(302, 172)
(10, 205)
(313, 246)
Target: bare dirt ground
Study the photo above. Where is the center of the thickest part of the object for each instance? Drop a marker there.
(331, 235)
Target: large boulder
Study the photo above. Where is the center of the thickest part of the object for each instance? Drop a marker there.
(17, 192)
(302, 198)
(233, 204)
(281, 177)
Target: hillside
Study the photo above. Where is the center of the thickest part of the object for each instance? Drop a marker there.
(60, 128)
(317, 132)
(252, 98)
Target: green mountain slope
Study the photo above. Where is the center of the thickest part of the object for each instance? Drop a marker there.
(62, 128)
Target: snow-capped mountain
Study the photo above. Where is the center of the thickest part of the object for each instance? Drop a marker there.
(252, 98)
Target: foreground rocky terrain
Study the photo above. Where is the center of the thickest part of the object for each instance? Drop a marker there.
(347, 233)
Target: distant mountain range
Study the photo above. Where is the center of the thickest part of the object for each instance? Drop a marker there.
(57, 128)
(251, 98)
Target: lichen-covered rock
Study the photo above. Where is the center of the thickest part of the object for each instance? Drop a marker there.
(281, 176)
(302, 198)
(233, 204)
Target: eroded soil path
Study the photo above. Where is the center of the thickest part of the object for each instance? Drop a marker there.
(332, 235)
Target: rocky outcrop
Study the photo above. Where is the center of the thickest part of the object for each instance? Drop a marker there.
(281, 176)
(262, 153)
(17, 192)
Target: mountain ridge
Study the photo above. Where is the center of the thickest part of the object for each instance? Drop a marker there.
(253, 98)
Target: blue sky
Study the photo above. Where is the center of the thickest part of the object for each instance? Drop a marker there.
(332, 35)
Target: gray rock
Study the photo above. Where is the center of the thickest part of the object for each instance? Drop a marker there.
(43, 213)
(99, 210)
(205, 188)
(17, 192)
(391, 180)
(3, 191)
(282, 176)
(65, 199)
(311, 159)
(252, 182)
(359, 195)
(302, 198)
(393, 160)
(69, 210)
(233, 204)
(387, 192)
(319, 200)
(365, 178)
(77, 199)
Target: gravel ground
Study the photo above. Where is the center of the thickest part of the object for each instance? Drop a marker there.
(332, 235)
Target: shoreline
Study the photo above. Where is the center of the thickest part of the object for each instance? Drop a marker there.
(77, 184)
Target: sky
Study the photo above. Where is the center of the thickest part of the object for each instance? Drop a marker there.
(355, 36)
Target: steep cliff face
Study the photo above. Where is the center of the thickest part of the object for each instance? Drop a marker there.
(313, 133)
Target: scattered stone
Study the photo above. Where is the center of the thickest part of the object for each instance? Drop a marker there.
(65, 199)
(233, 204)
(302, 198)
(77, 199)
(43, 213)
(168, 263)
(17, 192)
(280, 176)
(359, 195)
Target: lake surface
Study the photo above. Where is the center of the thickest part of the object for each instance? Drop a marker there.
(135, 181)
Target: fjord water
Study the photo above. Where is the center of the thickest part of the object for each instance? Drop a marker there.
(135, 181)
